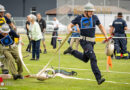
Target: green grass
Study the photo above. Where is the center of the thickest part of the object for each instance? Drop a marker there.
(69, 61)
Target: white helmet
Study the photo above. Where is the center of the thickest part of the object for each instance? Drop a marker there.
(2, 8)
(109, 47)
(5, 28)
(89, 7)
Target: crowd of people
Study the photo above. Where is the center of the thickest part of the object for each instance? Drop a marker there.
(36, 27)
(83, 32)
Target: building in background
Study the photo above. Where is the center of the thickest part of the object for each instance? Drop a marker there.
(21, 8)
(106, 14)
(65, 10)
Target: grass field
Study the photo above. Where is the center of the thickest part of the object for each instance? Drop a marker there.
(117, 79)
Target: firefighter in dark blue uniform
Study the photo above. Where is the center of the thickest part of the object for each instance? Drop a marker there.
(87, 23)
(118, 30)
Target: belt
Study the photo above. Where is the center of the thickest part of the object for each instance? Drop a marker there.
(6, 47)
(88, 38)
(10, 46)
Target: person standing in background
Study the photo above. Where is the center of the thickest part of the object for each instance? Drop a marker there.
(12, 25)
(4, 19)
(55, 33)
(36, 36)
(75, 37)
(42, 24)
(28, 49)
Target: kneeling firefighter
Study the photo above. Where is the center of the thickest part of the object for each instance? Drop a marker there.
(10, 51)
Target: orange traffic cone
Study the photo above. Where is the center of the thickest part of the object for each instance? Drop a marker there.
(109, 62)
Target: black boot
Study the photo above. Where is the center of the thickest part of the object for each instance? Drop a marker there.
(20, 76)
(5, 71)
(32, 59)
(15, 77)
(126, 57)
(100, 81)
(68, 50)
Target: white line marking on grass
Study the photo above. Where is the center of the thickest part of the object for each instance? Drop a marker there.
(63, 76)
(68, 77)
(101, 70)
(84, 69)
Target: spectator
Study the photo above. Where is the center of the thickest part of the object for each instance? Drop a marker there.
(28, 49)
(75, 36)
(36, 36)
(42, 24)
(12, 25)
(55, 33)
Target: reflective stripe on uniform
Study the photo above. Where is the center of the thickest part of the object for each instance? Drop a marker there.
(118, 54)
(2, 21)
(125, 54)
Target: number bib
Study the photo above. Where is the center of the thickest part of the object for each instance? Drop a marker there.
(6, 41)
(86, 23)
(87, 29)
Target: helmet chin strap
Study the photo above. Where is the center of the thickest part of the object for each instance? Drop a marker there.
(87, 14)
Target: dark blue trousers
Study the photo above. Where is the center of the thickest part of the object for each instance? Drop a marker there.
(36, 49)
(120, 43)
(88, 54)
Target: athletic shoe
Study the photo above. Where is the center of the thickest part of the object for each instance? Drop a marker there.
(37, 59)
(40, 51)
(100, 81)
(68, 50)
(28, 51)
(32, 59)
(45, 51)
